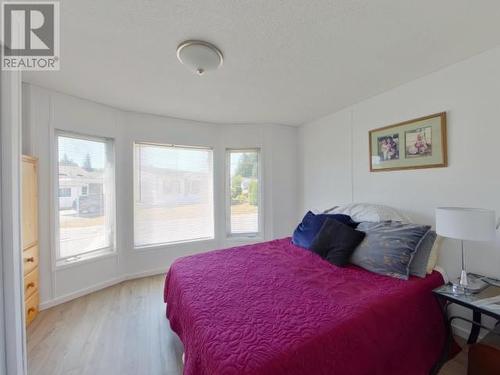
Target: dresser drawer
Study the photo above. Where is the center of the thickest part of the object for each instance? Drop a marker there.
(30, 259)
(31, 283)
(31, 308)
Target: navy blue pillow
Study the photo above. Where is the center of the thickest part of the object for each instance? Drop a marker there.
(336, 242)
(305, 232)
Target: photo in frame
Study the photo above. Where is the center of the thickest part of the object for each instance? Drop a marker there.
(413, 144)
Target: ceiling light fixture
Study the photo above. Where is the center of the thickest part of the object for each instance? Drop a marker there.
(199, 56)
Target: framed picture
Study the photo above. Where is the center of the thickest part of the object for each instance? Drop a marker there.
(413, 144)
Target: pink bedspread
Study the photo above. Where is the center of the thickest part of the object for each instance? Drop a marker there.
(274, 308)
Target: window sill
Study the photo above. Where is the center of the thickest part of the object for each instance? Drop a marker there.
(244, 238)
(85, 258)
(162, 246)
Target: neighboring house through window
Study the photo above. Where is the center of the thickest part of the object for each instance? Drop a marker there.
(167, 207)
(85, 203)
(64, 192)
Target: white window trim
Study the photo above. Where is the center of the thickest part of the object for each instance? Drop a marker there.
(65, 262)
(167, 245)
(257, 236)
(95, 255)
(160, 245)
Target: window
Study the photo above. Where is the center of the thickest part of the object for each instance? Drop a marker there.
(64, 192)
(243, 192)
(85, 203)
(173, 194)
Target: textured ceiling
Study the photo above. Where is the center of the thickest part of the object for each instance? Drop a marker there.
(285, 62)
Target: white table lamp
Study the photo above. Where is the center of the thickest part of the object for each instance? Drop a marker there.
(465, 224)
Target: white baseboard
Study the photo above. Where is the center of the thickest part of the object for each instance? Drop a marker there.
(463, 332)
(460, 331)
(138, 275)
(94, 288)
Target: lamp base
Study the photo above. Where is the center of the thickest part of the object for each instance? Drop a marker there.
(464, 282)
(468, 284)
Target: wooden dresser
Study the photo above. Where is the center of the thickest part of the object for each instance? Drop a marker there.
(29, 201)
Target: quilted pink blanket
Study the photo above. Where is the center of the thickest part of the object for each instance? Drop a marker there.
(274, 308)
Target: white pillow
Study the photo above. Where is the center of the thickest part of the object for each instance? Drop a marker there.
(371, 212)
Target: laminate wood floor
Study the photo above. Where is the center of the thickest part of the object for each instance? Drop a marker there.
(457, 366)
(118, 330)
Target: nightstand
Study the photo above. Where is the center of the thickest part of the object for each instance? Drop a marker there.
(486, 302)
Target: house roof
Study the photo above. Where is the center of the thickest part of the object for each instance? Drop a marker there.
(75, 173)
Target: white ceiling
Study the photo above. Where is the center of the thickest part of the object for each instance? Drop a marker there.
(285, 62)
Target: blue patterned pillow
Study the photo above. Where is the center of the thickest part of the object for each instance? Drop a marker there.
(418, 266)
(389, 247)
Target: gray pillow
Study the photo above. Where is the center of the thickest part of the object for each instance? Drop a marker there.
(418, 266)
(389, 247)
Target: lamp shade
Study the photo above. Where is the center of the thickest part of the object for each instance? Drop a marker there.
(473, 224)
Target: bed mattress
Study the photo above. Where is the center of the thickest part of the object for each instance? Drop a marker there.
(274, 308)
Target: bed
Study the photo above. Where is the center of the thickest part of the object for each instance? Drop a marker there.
(275, 308)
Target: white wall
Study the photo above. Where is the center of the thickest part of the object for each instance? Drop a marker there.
(46, 111)
(335, 162)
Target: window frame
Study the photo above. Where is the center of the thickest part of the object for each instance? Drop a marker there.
(135, 194)
(63, 262)
(259, 235)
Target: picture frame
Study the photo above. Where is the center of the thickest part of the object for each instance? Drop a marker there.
(414, 144)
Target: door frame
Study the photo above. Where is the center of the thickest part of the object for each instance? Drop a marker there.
(13, 349)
